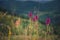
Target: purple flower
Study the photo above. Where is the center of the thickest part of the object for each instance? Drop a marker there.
(35, 18)
(30, 14)
(47, 21)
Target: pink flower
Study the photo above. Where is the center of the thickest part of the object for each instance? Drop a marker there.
(35, 18)
(47, 21)
(30, 14)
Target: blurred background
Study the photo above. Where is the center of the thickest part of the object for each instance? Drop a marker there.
(18, 10)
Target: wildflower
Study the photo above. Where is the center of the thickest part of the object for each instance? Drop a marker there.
(35, 18)
(47, 21)
(30, 14)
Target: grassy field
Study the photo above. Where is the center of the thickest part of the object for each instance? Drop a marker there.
(17, 28)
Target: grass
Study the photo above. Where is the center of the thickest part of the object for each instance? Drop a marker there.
(10, 20)
(23, 37)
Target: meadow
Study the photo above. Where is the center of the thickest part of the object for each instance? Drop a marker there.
(17, 28)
